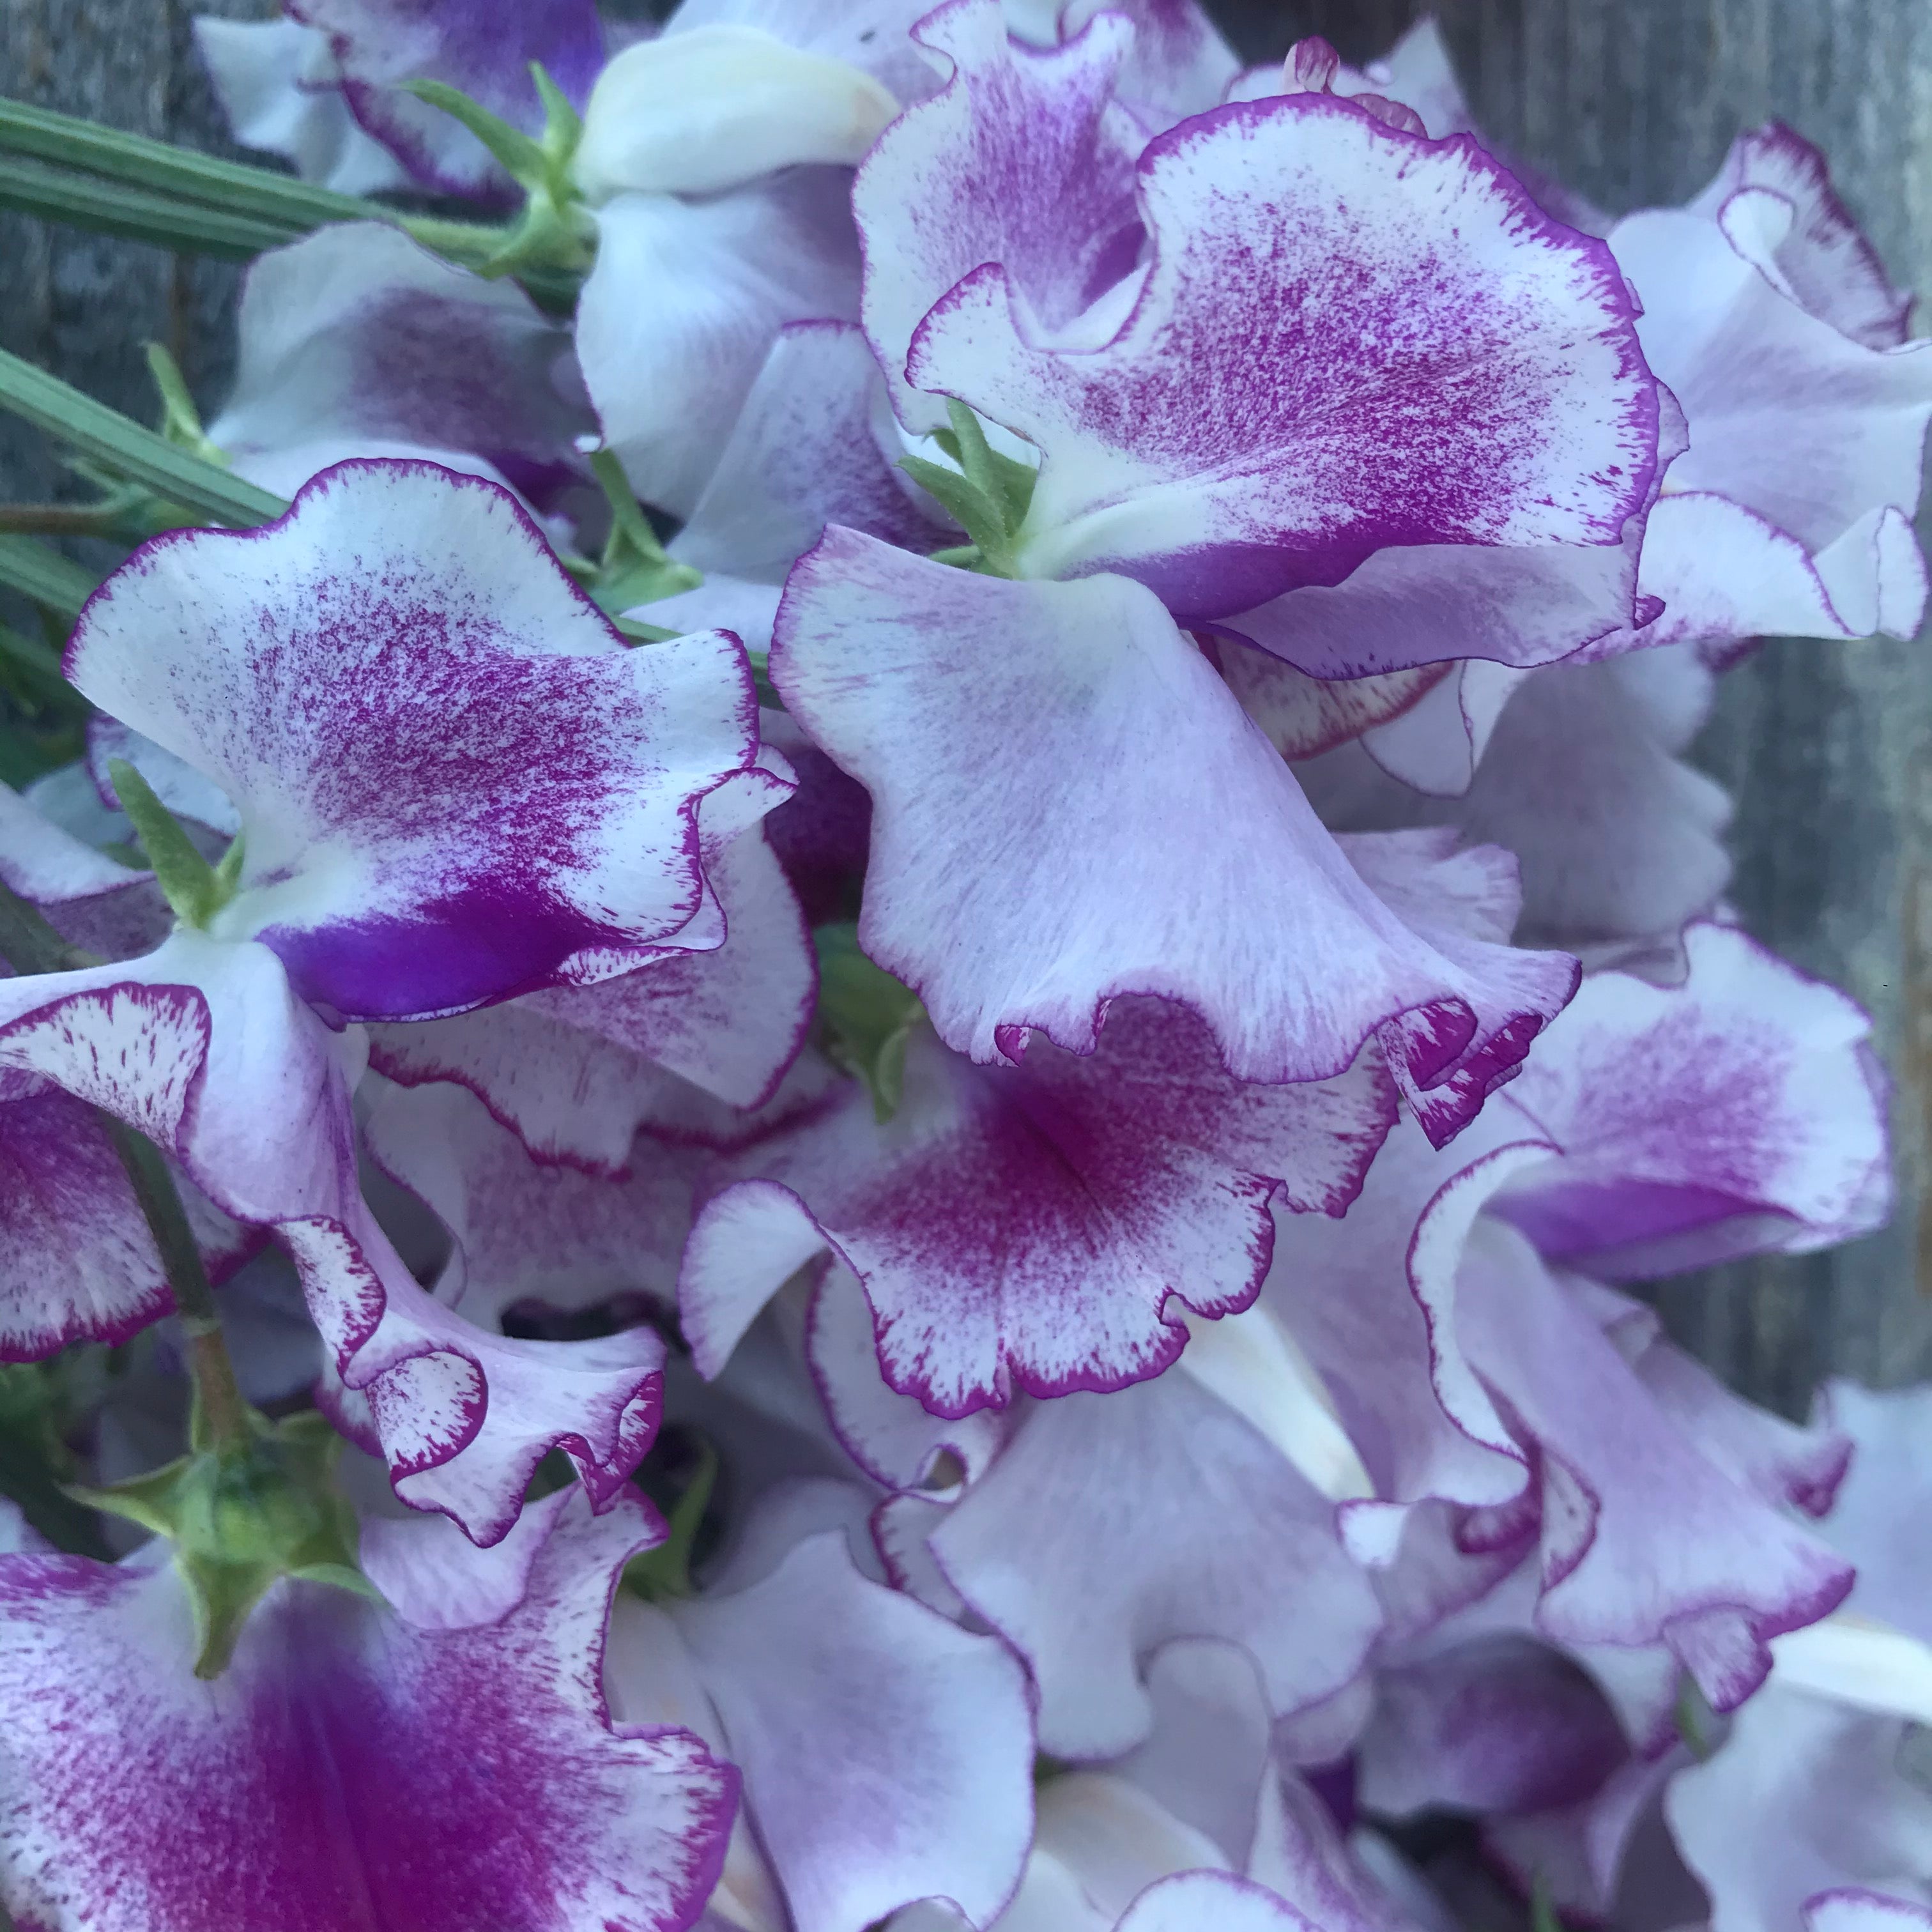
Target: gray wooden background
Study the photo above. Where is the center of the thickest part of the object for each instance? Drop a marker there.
(1633, 102)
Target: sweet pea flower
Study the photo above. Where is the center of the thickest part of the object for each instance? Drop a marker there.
(381, 683)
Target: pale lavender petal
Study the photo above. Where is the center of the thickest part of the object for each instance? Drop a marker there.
(1813, 433)
(1826, 259)
(1178, 64)
(1072, 732)
(46, 864)
(1023, 159)
(1740, 1113)
(1200, 1901)
(684, 303)
(1805, 1797)
(1111, 1524)
(1644, 1539)
(525, 1231)
(1504, 1724)
(350, 1768)
(278, 85)
(454, 782)
(887, 1756)
(1582, 778)
(468, 44)
(1881, 1513)
(356, 335)
(1140, 1171)
(1304, 716)
(814, 445)
(1219, 473)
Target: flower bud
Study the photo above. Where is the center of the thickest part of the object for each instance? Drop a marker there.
(701, 112)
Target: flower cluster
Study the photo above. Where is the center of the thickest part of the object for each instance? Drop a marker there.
(917, 1210)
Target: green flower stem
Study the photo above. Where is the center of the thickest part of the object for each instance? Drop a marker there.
(121, 444)
(54, 520)
(30, 944)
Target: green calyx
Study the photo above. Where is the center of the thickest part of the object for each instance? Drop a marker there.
(634, 569)
(663, 1574)
(989, 493)
(194, 889)
(865, 1016)
(554, 230)
(242, 1514)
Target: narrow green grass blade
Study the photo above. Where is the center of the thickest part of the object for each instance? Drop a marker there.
(112, 439)
(113, 208)
(44, 575)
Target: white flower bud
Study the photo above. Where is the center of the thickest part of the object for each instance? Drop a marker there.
(702, 111)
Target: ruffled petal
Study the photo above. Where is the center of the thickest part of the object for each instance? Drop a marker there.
(1741, 1113)
(525, 1231)
(1113, 1524)
(1824, 258)
(887, 1756)
(278, 85)
(1220, 472)
(462, 785)
(683, 304)
(1137, 1173)
(1071, 731)
(1814, 433)
(472, 45)
(1023, 159)
(355, 335)
(351, 1769)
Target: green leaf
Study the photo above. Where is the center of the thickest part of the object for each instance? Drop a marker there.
(189, 884)
(665, 1571)
(1004, 479)
(983, 517)
(186, 173)
(109, 437)
(866, 1015)
(44, 575)
(115, 208)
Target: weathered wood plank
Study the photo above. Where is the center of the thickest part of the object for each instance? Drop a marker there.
(1633, 101)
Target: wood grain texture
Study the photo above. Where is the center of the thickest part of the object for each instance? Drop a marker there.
(1633, 101)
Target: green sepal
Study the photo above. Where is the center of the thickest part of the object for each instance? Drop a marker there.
(1004, 479)
(520, 157)
(865, 1015)
(1694, 1717)
(1543, 1915)
(241, 1516)
(663, 1573)
(983, 517)
(634, 569)
(181, 420)
(196, 890)
(553, 230)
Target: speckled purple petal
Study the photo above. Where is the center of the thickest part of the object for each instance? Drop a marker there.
(1741, 1113)
(1112, 1524)
(351, 1769)
(356, 334)
(469, 44)
(694, 1047)
(1069, 805)
(1140, 1171)
(454, 782)
(204, 1047)
(1204, 449)
(1023, 159)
